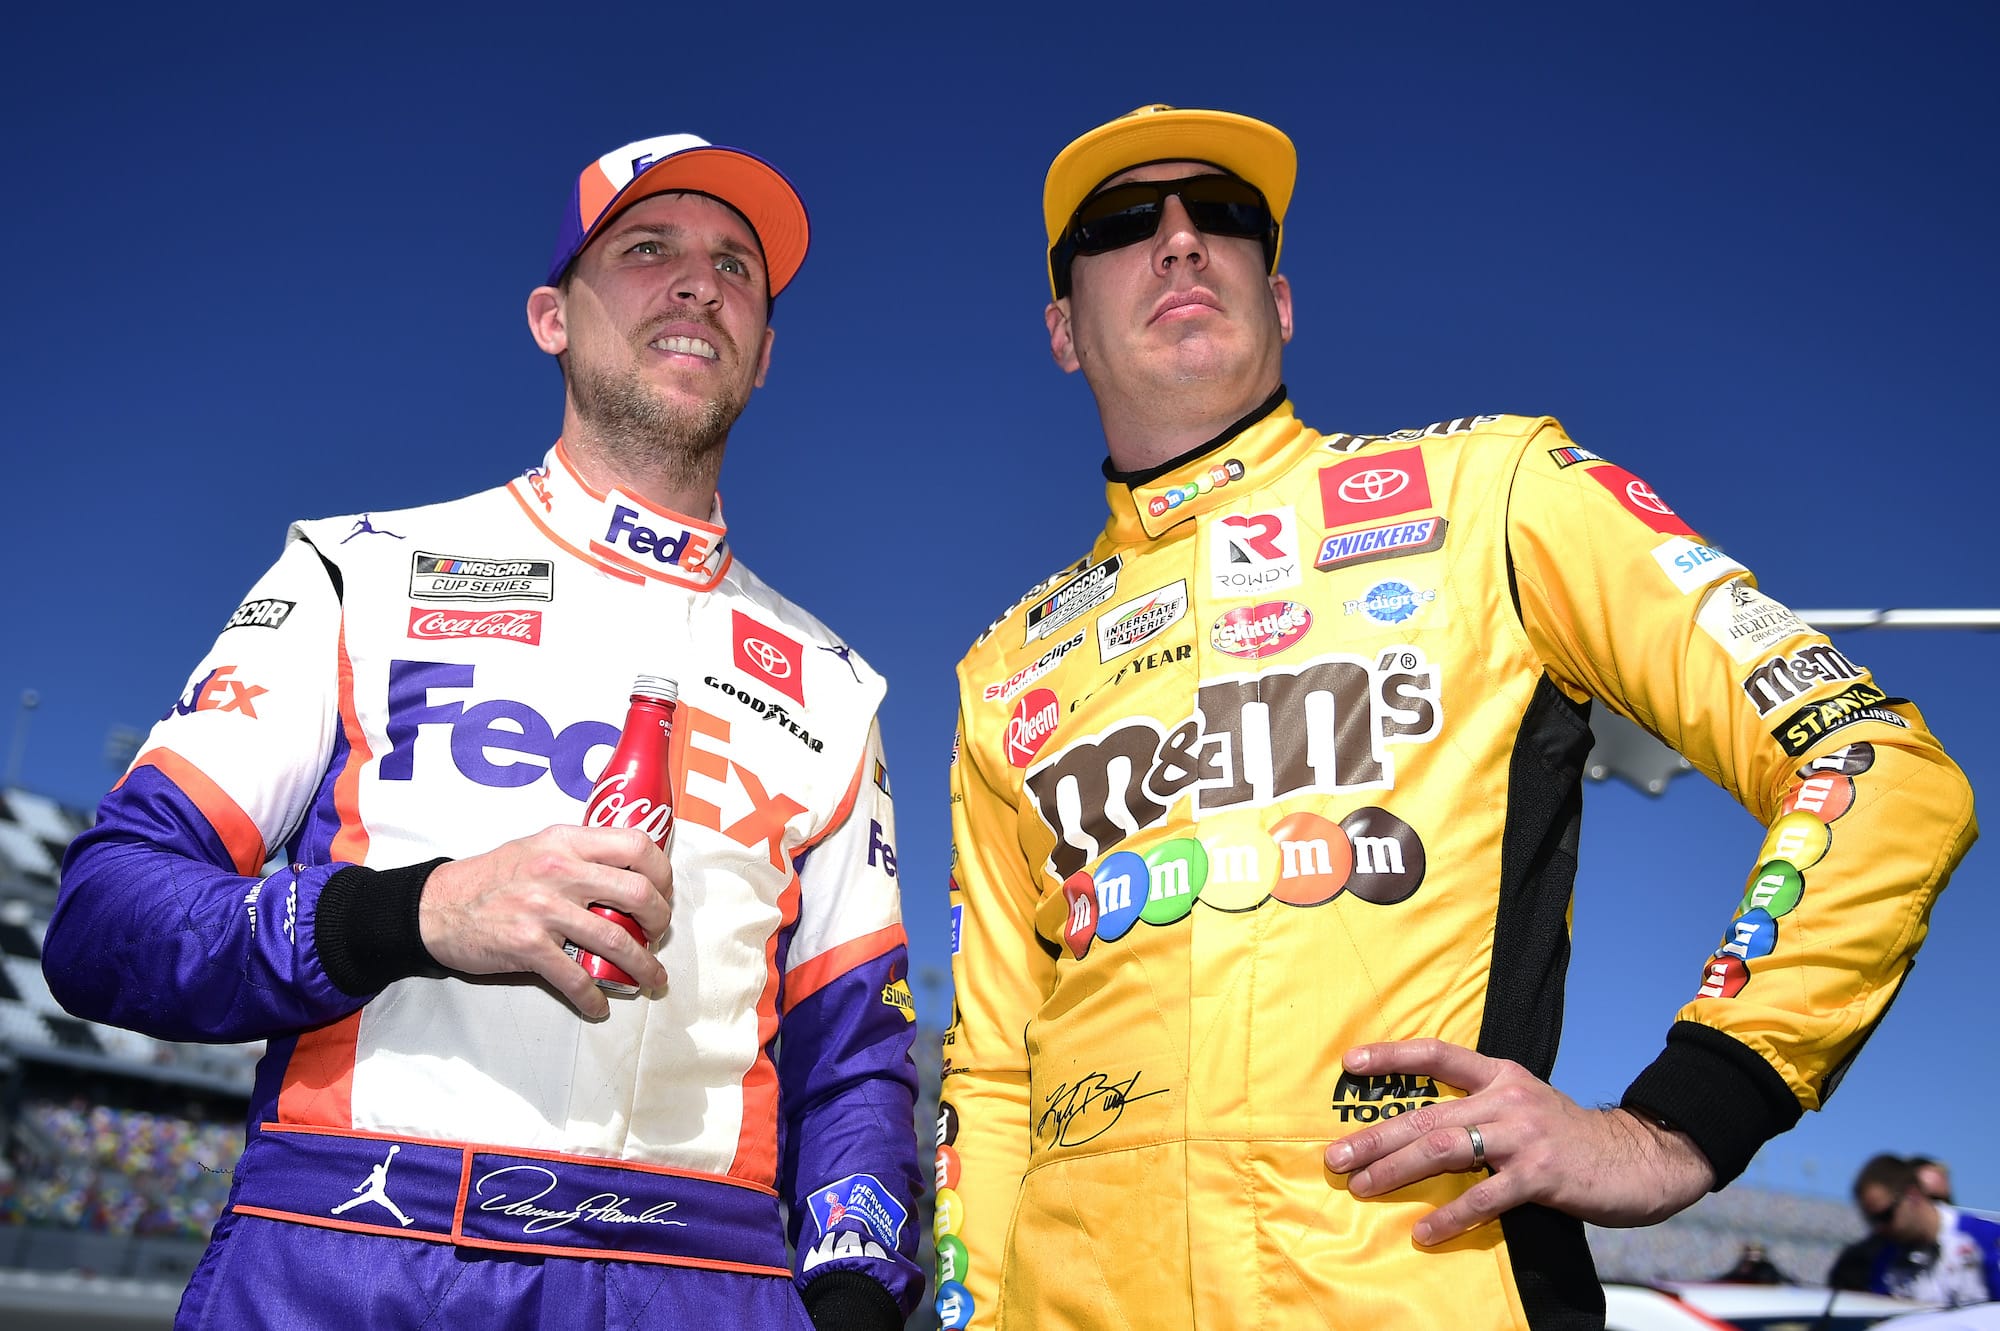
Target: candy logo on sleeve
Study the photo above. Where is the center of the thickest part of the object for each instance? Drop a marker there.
(769, 656)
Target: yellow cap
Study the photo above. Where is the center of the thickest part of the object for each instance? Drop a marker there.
(1259, 153)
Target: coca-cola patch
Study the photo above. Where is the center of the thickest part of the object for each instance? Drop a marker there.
(1034, 720)
(511, 625)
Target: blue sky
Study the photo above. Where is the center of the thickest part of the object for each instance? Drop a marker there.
(272, 265)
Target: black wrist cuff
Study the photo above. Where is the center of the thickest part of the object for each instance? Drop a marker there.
(850, 1301)
(1718, 1091)
(366, 927)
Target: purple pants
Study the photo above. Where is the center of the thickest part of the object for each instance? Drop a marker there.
(360, 1231)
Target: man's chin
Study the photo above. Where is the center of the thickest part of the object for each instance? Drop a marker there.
(1193, 359)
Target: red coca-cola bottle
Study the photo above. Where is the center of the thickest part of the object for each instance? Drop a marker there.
(636, 790)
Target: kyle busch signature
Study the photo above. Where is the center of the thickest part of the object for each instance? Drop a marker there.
(1089, 1109)
(605, 1207)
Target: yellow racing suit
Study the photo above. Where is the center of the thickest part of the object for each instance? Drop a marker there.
(1290, 762)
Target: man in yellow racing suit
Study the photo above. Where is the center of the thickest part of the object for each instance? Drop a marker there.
(1265, 817)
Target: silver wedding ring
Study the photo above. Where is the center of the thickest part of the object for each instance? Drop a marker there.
(1478, 1147)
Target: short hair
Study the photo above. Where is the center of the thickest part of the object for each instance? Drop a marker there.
(1891, 1172)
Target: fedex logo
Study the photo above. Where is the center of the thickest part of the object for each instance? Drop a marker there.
(684, 548)
(879, 846)
(505, 744)
(498, 742)
(219, 691)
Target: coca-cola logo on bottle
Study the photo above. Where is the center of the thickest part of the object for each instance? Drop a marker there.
(610, 806)
(1034, 720)
(513, 625)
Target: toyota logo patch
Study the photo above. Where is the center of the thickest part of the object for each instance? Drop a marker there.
(1373, 487)
(769, 656)
(1375, 484)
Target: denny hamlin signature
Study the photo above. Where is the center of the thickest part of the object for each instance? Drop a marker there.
(496, 1194)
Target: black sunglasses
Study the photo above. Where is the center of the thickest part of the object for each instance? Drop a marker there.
(1126, 214)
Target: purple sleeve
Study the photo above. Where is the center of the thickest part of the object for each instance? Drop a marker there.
(164, 923)
(849, 1161)
(156, 931)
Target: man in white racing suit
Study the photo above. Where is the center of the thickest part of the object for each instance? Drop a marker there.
(355, 836)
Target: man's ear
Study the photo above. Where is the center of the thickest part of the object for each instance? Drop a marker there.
(545, 321)
(1062, 342)
(1281, 296)
(764, 356)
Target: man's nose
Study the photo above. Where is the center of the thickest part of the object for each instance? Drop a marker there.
(694, 282)
(1178, 240)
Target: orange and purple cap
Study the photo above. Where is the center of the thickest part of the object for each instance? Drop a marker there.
(673, 163)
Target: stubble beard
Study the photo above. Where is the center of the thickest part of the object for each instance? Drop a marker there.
(643, 432)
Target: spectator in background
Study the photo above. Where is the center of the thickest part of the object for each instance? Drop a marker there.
(1928, 1249)
(1933, 1176)
(1754, 1267)
(1856, 1262)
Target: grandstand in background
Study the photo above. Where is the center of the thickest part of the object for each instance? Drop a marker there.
(116, 1149)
